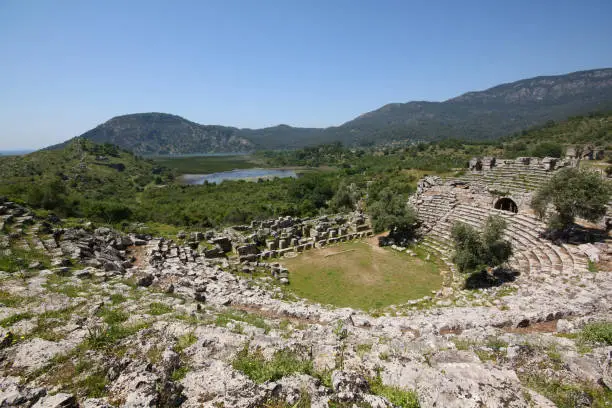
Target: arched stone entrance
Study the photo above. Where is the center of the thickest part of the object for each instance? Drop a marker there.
(506, 204)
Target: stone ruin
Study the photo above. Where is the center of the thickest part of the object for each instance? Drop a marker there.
(101, 248)
(242, 248)
(574, 153)
(290, 234)
(483, 164)
(504, 188)
(252, 246)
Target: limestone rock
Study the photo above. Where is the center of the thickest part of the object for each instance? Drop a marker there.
(35, 353)
(60, 400)
(15, 394)
(218, 383)
(607, 371)
(145, 280)
(349, 385)
(95, 403)
(137, 386)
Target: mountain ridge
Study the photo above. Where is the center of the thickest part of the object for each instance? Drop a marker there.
(477, 115)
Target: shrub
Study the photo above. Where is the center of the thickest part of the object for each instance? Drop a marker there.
(572, 193)
(547, 149)
(597, 333)
(475, 251)
(107, 211)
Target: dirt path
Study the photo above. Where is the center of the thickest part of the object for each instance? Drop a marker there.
(373, 242)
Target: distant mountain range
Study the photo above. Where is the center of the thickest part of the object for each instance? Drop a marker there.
(489, 114)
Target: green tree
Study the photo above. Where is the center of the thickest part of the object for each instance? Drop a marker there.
(345, 198)
(50, 195)
(547, 149)
(475, 251)
(392, 212)
(107, 211)
(572, 193)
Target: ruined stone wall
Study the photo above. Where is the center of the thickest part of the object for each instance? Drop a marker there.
(436, 198)
(523, 174)
(255, 245)
(488, 180)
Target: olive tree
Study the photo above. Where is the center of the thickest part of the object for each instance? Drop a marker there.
(392, 212)
(476, 251)
(572, 193)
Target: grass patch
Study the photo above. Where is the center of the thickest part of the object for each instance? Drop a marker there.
(117, 298)
(179, 373)
(11, 320)
(157, 309)
(568, 395)
(10, 300)
(506, 291)
(223, 319)
(363, 349)
(188, 318)
(185, 341)
(154, 354)
(93, 385)
(112, 316)
(19, 259)
(598, 333)
(59, 284)
(82, 366)
(555, 357)
(495, 343)
(48, 321)
(592, 266)
(69, 290)
(99, 338)
(305, 401)
(462, 344)
(283, 362)
(356, 274)
(397, 396)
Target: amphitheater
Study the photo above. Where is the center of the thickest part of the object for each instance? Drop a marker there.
(503, 188)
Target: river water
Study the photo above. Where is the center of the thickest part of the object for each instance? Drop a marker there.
(244, 174)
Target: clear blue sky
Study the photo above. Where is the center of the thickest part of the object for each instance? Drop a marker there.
(69, 65)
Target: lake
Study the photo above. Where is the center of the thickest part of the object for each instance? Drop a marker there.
(239, 174)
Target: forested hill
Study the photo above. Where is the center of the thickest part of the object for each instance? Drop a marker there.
(483, 115)
(80, 179)
(591, 130)
(161, 133)
(492, 113)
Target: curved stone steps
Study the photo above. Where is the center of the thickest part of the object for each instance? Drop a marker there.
(532, 253)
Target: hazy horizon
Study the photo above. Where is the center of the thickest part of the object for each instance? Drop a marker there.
(71, 66)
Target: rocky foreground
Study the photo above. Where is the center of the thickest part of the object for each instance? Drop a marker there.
(94, 318)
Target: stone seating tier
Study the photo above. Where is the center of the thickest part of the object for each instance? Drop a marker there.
(532, 253)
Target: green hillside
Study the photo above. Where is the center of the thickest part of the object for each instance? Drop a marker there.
(81, 179)
(163, 134)
(594, 129)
